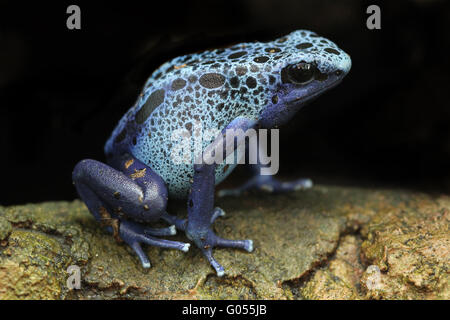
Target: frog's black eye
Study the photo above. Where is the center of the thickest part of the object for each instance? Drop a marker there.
(299, 73)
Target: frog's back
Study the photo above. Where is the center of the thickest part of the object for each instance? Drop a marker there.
(209, 89)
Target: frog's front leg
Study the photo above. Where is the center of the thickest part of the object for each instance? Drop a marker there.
(201, 211)
(266, 182)
(115, 197)
(202, 214)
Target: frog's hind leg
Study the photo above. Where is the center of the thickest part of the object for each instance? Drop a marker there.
(134, 192)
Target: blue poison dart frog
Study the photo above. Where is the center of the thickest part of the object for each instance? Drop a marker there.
(249, 85)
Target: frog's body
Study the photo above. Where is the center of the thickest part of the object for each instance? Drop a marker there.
(247, 85)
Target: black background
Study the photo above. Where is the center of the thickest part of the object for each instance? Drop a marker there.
(62, 91)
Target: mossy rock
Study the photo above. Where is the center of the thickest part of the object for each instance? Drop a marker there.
(313, 244)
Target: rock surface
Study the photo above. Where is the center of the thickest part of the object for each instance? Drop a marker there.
(324, 243)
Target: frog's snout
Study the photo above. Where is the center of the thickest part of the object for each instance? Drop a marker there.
(345, 64)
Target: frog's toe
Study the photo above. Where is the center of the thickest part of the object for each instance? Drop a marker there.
(220, 271)
(135, 234)
(169, 231)
(141, 255)
(213, 241)
(218, 212)
(246, 245)
(208, 240)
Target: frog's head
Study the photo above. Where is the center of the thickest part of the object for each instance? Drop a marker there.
(309, 66)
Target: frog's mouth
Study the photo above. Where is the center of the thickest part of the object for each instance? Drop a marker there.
(296, 99)
(317, 90)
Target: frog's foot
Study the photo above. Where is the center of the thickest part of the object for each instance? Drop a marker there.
(180, 224)
(206, 240)
(267, 184)
(135, 234)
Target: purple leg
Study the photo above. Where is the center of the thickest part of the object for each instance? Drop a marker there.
(266, 183)
(201, 211)
(134, 192)
(202, 214)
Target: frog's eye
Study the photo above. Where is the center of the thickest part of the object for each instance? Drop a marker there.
(299, 73)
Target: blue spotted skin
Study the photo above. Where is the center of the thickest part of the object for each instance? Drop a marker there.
(214, 87)
(245, 86)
